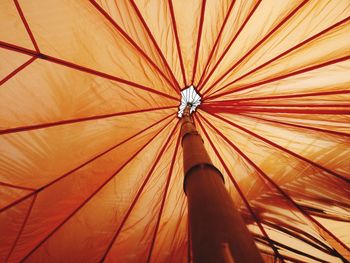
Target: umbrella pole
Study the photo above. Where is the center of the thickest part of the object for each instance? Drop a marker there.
(218, 233)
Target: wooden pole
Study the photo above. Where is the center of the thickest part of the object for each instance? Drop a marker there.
(218, 233)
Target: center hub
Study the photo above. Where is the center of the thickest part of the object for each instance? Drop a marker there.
(190, 97)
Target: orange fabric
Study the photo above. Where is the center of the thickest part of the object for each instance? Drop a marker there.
(90, 158)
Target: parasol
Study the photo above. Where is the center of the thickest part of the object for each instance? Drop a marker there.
(91, 159)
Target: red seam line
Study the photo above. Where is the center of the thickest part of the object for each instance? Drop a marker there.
(132, 42)
(21, 229)
(107, 76)
(163, 199)
(241, 154)
(180, 220)
(81, 68)
(88, 199)
(138, 194)
(298, 126)
(314, 221)
(64, 122)
(17, 70)
(230, 44)
(80, 166)
(279, 25)
(300, 105)
(254, 109)
(288, 96)
(288, 51)
(173, 21)
(175, 241)
(282, 148)
(216, 43)
(150, 34)
(311, 68)
(255, 217)
(19, 49)
(199, 37)
(17, 186)
(235, 147)
(286, 150)
(30, 33)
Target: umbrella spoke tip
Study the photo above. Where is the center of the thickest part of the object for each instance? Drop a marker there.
(189, 97)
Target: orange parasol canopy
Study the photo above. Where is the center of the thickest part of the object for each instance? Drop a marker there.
(90, 156)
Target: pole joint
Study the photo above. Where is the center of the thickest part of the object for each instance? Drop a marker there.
(199, 166)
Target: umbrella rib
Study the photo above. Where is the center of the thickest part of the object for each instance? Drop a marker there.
(199, 37)
(234, 182)
(17, 186)
(300, 126)
(177, 241)
(21, 229)
(131, 41)
(81, 68)
(233, 105)
(90, 197)
(26, 25)
(216, 43)
(278, 26)
(301, 71)
(313, 221)
(180, 219)
(37, 54)
(298, 105)
(72, 121)
(230, 44)
(24, 65)
(288, 96)
(173, 22)
(242, 195)
(81, 165)
(150, 34)
(19, 49)
(107, 76)
(137, 196)
(232, 109)
(289, 51)
(166, 188)
(283, 149)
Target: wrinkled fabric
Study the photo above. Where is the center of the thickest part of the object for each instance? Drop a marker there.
(90, 151)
